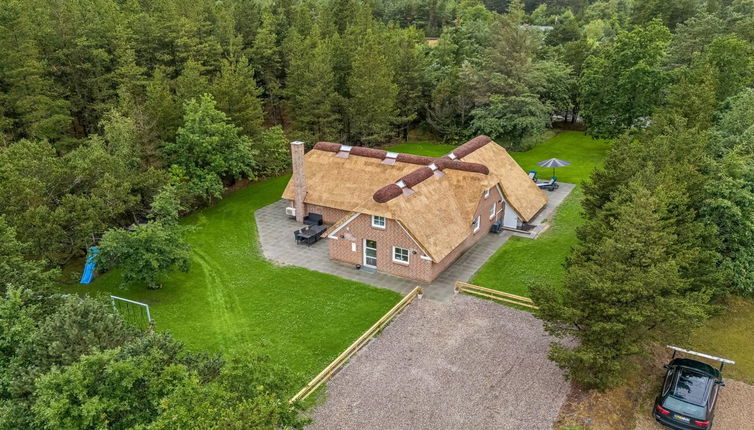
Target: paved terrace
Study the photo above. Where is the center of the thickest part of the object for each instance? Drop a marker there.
(276, 238)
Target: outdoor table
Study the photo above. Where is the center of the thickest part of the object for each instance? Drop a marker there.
(310, 235)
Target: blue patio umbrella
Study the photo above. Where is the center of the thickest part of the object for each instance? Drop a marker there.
(554, 162)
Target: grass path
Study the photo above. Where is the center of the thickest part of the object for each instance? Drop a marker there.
(234, 301)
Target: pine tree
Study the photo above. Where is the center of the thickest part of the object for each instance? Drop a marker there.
(372, 108)
(311, 91)
(236, 93)
(266, 56)
(626, 284)
(161, 106)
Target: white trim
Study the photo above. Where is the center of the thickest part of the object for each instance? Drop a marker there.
(452, 156)
(424, 257)
(332, 237)
(408, 256)
(486, 193)
(401, 184)
(477, 223)
(384, 222)
(353, 217)
(493, 210)
(413, 239)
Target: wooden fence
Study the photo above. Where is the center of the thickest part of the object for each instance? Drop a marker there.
(463, 287)
(340, 360)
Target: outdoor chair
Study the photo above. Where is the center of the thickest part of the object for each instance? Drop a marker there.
(313, 219)
(297, 236)
(496, 226)
(533, 175)
(550, 185)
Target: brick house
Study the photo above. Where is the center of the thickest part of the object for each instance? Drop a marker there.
(409, 215)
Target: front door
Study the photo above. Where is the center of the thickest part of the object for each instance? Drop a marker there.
(370, 253)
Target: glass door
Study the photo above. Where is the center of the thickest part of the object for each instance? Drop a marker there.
(370, 253)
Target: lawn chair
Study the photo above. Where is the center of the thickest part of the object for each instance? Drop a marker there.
(297, 236)
(313, 219)
(533, 175)
(550, 185)
(496, 226)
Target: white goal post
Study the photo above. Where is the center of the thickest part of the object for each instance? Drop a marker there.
(113, 299)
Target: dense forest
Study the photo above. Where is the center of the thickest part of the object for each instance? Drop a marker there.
(119, 116)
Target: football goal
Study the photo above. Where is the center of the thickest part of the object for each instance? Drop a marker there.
(135, 313)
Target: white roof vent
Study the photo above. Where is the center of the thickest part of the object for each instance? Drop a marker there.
(390, 158)
(452, 156)
(433, 166)
(401, 184)
(344, 151)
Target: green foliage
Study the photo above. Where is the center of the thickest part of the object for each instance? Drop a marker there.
(732, 60)
(626, 283)
(622, 84)
(59, 204)
(234, 301)
(509, 120)
(236, 93)
(312, 98)
(145, 253)
(372, 108)
(70, 362)
(15, 268)
(273, 152)
(209, 148)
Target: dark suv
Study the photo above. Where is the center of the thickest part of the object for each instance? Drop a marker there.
(688, 396)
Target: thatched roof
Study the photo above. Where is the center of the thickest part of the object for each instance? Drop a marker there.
(435, 204)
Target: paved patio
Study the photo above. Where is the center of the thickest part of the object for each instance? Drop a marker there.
(276, 238)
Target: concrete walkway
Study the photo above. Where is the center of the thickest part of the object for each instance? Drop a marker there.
(276, 238)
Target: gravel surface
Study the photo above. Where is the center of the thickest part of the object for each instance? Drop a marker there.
(734, 411)
(461, 364)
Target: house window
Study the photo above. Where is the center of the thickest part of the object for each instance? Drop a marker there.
(476, 224)
(400, 255)
(493, 209)
(486, 193)
(378, 221)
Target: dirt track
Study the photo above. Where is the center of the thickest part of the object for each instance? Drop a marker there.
(735, 409)
(463, 364)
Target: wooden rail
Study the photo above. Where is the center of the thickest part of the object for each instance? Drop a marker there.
(463, 287)
(340, 360)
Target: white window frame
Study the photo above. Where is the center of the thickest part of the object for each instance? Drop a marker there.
(408, 255)
(477, 223)
(486, 193)
(493, 210)
(377, 225)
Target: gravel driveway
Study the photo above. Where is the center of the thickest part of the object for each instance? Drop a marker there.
(461, 364)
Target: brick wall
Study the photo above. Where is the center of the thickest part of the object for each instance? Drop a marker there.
(329, 215)
(349, 248)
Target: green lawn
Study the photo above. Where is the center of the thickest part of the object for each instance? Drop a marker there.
(521, 262)
(234, 301)
(581, 150)
(430, 149)
(730, 335)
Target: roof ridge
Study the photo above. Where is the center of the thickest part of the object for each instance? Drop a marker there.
(451, 160)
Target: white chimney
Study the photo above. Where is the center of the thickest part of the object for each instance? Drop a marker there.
(299, 179)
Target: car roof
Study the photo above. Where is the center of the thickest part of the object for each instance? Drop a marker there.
(692, 386)
(697, 365)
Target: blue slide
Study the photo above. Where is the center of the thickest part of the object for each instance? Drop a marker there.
(90, 265)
